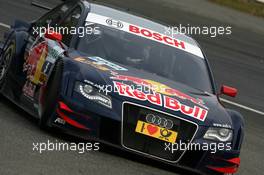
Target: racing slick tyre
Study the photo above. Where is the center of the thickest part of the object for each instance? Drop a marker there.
(49, 96)
(5, 61)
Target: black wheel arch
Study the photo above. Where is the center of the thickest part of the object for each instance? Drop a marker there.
(50, 94)
(239, 128)
(19, 38)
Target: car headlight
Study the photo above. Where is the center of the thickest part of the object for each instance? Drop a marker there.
(219, 134)
(92, 93)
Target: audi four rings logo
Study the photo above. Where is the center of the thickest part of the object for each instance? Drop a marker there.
(114, 23)
(159, 121)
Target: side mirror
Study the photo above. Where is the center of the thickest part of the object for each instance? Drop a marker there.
(229, 91)
(53, 35)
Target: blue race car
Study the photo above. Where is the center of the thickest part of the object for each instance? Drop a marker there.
(103, 74)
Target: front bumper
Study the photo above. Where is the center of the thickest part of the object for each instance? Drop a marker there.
(222, 162)
(100, 128)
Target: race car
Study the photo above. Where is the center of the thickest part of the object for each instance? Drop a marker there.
(108, 75)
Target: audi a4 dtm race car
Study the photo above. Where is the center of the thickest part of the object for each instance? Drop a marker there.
(125, 82)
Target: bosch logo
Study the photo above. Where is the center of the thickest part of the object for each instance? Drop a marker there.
(159, 121)
(114, 23)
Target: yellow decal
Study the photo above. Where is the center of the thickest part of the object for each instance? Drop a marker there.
(156, 132)
(91, 63)
(37, 76)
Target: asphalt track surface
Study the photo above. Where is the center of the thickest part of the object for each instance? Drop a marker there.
(236, 60)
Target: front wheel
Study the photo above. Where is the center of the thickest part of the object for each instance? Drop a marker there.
(5, 61)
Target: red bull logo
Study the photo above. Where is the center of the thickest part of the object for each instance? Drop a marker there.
(159, 88)
(165, 101)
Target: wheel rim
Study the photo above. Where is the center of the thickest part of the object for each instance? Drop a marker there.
(5, 62)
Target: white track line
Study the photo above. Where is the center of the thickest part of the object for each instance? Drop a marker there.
(4, 25)
(224, 100)
(242, 106)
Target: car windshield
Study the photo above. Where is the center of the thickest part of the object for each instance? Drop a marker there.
(148, 55)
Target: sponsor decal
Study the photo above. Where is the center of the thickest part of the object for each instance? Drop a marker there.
(165, 101)
(114, 23)
(91, 63)
(158, 88)
(39, 62)
(60, 121)
(54, 51)
(29, 89)
(194, 112)
(100, 63)
(145, 33)
(46, 68)
(157, 36)
(126, 90)
(156, 132)
(34, 63)
(222, 125)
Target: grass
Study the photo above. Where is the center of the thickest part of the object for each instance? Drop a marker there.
(249, 6)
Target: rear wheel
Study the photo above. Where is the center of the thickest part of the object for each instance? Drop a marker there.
(49, 95)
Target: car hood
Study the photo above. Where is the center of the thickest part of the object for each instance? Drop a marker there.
(115, 79)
